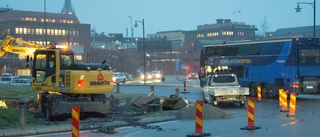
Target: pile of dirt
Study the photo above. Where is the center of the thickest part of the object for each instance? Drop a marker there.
(209, 112)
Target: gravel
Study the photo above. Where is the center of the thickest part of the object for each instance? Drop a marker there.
(209, 112)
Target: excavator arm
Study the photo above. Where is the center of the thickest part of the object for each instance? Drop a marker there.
(8, 45)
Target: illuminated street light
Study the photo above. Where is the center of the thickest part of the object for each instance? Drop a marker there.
(144, 50)
(298, 9)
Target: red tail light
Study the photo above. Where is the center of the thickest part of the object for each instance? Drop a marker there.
(81, 83)
(294, 85)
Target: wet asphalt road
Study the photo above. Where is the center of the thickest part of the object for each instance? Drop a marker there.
(267, 116)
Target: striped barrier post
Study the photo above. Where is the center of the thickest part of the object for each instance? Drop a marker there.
(250, 125)
(280, 98)
(199, 110)
(184, 87)
(292, 110)
(259, 93)
(284, 105)
(199, 120)
(75, 121)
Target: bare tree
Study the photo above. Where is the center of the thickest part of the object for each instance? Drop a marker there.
(264, 26)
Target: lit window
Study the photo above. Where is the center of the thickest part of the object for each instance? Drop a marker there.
(8, 30)
(78, 57)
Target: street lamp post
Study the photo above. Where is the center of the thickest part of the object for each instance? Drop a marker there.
(45, 21)
(298, 9)
(144, 50)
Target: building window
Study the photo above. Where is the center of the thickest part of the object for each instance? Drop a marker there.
(229, 33)
(63, 32)
(8, 31)
(200, 35)
(39, 31)
(29, 19)
(78, 57)
(212, 34)
(18, 30)
(240, 33)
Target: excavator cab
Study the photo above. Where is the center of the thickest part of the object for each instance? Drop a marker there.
(48, 64)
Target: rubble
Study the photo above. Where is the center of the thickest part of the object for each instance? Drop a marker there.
(209, 112)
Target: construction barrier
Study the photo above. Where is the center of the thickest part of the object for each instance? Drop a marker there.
(199, 121)
(259, 93)
(199, 110)
(184, 87)
(284, 104)
(75, 121)
(250, 125)
(280, 98)
(292, 110)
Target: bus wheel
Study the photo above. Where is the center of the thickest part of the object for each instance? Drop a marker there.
(252, 90)
(264, 90)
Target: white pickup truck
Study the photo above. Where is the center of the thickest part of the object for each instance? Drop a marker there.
(224, 88)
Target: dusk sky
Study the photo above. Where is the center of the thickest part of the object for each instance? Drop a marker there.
(111, 16)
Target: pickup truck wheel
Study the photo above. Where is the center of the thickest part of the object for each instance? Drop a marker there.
(264, 90)
(204, 99)
(124, 81)
(252, 90)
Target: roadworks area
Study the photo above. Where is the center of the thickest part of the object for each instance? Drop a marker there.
(124, 112)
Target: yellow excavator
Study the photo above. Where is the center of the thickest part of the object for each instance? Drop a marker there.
(61, 82)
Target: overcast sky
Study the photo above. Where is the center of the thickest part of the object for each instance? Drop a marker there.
(111, 16)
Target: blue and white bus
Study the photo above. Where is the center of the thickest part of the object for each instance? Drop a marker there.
(290, 64)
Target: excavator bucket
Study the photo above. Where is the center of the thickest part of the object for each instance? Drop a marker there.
(173, 104)
(4, 43)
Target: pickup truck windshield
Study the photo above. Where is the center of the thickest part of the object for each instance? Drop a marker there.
(223, 79)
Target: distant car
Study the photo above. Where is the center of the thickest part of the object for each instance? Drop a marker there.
(21, 82)
(128, 76)
(148, 76)
(193, 75)
(156, 75)
(7, 79)
(119, 77)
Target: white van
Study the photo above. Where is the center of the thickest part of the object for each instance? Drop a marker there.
(7, 80)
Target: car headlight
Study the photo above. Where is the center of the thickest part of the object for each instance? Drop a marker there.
(158, 75)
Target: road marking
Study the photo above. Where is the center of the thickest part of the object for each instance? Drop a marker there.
(231, 134)
(292, 123)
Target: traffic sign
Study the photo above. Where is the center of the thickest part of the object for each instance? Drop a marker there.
(183, 66)
(139, 69)
(177, 67)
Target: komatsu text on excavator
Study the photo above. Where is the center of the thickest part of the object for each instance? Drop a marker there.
(62, 83)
